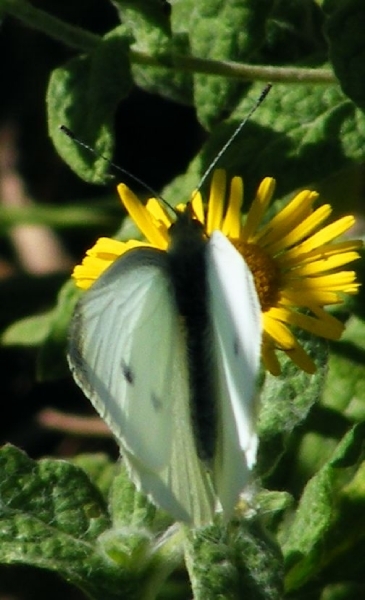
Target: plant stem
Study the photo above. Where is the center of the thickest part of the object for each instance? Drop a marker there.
(84, 41)
(230, 69)
(70, 35)
(167, 556)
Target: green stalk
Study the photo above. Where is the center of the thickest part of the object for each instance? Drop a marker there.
(84, 41)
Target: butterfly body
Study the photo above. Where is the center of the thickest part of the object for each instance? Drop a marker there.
(166, 345)
(187, 258)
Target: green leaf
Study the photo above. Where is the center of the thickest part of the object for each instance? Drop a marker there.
(138, 538)
(150, 26)
(294, 34)
(234, 561)
(149, 16)
(343, 591)
(164, 80)
(31, 490)
(327, 536)
(342, 402)
(100, 469)
(128, 506)
(221, 30)
(272, 502)
(345, 384)
(51, 362)
(128, 548)
(285, 402)
(345, 183)
(83, 95)
(51, 517)
(345, 32)
(301, 134)
(31, 331)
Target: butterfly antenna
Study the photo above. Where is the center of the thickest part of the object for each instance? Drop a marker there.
(237, 131)
(136, 179)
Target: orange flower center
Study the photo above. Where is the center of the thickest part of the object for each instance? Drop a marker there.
(264, 270)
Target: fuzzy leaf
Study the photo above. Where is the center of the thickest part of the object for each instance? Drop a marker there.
(233, 562)
(151, 12)
(328, 533)
(345, 384)
(345, 32)
(221, 30)
(149, 25)
(100, 470)
(300, 135)
(51, 517)
(128, 506)
(286, 401)
(294, 34)
(83, 95)
(304, 133)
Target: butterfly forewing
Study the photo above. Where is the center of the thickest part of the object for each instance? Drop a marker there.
(237, 330)
(125, 324)
(128, 354)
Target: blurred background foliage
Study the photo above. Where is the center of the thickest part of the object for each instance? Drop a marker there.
(106, 70)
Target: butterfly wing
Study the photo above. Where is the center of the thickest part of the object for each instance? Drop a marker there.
(237, 333)
(128, 354)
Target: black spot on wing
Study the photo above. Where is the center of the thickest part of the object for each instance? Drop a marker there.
(236, 347)
(128, 373)
(156, 402)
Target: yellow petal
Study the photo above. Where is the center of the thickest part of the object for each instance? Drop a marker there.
(258, 208)
(331, 282)
(298, 209)
(299, 356)
(307, 298)
(326, 234)
(269, 358)
(329, 328)
(293, 350)
(198, 206)
(142, 218)
(231, 226)
(89, 271)
(107, 248)
(322, 252)
(331, 263)
(300, 232)
(98, 258)
(159, 214)
(282, 336)
(216, 200)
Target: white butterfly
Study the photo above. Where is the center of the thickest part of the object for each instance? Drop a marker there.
(166, 345)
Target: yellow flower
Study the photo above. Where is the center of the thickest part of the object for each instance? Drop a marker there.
(294, 259)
